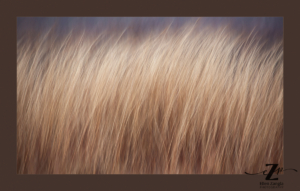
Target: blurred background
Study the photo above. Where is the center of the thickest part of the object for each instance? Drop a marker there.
(272, 26)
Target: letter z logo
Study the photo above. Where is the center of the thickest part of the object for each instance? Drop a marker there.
(268, 177)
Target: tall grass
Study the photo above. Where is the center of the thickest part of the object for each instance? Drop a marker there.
(206, 101)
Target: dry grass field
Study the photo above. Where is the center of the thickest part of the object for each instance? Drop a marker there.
(190, 99)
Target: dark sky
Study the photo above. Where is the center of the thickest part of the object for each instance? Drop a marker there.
(273, 25)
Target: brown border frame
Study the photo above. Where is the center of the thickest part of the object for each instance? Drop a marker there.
(13, 9)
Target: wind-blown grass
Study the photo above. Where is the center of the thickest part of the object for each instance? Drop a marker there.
(206, 101)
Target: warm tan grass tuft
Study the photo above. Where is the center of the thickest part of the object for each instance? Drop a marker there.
(206, 101)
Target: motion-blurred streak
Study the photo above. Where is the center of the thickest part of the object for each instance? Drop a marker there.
(149, 95)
